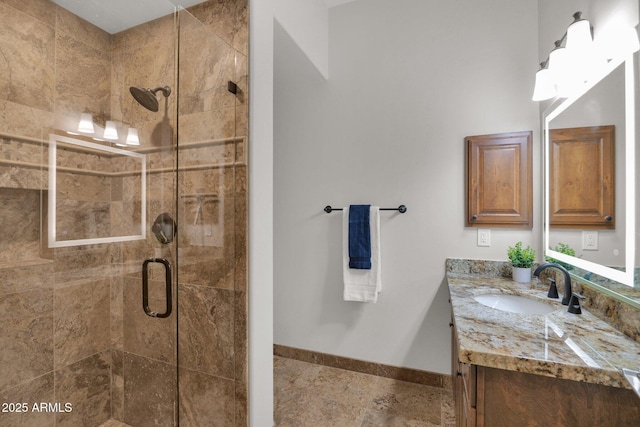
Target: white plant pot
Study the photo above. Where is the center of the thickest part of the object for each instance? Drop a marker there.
(521, 274)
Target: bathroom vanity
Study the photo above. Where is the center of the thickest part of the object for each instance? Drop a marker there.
(554, 369)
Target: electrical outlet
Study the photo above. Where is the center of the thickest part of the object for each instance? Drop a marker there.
(484, 237)
(590, 240)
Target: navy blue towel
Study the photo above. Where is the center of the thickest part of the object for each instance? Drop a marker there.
(359, 237)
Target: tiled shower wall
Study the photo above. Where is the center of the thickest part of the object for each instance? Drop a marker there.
(55, 305)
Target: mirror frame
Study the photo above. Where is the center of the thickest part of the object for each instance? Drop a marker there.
(625, 277)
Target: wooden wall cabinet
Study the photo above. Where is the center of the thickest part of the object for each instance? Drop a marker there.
(582, 178)
(499, 180)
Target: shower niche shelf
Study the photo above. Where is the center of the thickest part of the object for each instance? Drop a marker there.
(97, 193)
(23, 240)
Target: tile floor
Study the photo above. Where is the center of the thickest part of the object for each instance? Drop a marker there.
(309, 395)
(313, 395)
(114, 423)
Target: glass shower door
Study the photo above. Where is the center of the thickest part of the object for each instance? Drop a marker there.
(145, 361)
(123, 257)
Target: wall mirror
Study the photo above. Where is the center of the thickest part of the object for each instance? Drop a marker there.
(608, 100)
(97, 193)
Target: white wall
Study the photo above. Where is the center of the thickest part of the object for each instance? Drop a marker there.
(306, 22)
(409, 80)
(260, 320)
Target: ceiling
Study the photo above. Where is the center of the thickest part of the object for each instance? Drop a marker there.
(114, 16)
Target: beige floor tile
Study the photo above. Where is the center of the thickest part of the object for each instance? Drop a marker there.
(313, 395)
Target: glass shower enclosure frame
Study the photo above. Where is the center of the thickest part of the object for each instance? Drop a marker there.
(123, 266)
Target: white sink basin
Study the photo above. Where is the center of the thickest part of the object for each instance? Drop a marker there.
(515, 304)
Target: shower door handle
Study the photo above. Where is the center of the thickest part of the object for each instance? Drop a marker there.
(145, 287)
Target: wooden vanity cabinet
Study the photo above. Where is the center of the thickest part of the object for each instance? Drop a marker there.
(464, 386)
(489, 397)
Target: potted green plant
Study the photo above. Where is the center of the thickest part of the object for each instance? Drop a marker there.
(563, 248)
(521, 261)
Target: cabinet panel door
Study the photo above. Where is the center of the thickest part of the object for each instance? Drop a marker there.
(582, 177)
(499, 180)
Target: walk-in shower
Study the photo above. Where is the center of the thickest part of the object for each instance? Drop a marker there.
(114, 307)
(147, 97)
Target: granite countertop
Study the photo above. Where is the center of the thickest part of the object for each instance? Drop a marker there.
(578, 347)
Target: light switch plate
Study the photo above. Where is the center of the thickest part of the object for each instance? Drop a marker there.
(590, 240)
(484, 237)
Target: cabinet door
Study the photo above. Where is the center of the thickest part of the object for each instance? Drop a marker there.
(464, 386)
(582, 177)
(499, 180)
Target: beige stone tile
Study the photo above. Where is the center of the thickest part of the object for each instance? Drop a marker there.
(151, 337)
(44, 10)
(80, 263)
(375, 419)
(39, 389)
(116, 309)
(26, 338)
(207, 63)
(73, 25)
(215, 180)
(411, 402)
(19, 119)
(448, 409)
(86, 386)
(228, 19)
(117, 385)
(142, 407)
(114, 423)
(149, 65)
(205, 400)
(23, 277)
(333, 397)
(20, 219)
(242, 404)
(162, 30)
(81, 312)
(207, 330)
(29, 79)
(208, 125)
(241, 338)
(293, 390)
(83, 78)
(307, 394)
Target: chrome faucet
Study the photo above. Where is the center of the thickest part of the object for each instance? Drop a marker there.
(566, 297)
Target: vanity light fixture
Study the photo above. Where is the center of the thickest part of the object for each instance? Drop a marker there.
(86, 124)
(132, 137)
(110, 131)
(545, 87)
(579, 34)
(567, 65)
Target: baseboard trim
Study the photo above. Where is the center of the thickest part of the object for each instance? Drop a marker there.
(397, 373)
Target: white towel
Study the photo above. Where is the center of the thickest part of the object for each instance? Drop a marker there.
(362, 285)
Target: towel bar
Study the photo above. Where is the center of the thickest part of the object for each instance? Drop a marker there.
(401, 209)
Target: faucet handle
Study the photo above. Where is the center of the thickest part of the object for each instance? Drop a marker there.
(574, 304)
(553, 289)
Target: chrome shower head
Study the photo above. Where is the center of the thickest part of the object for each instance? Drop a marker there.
(147, 97)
